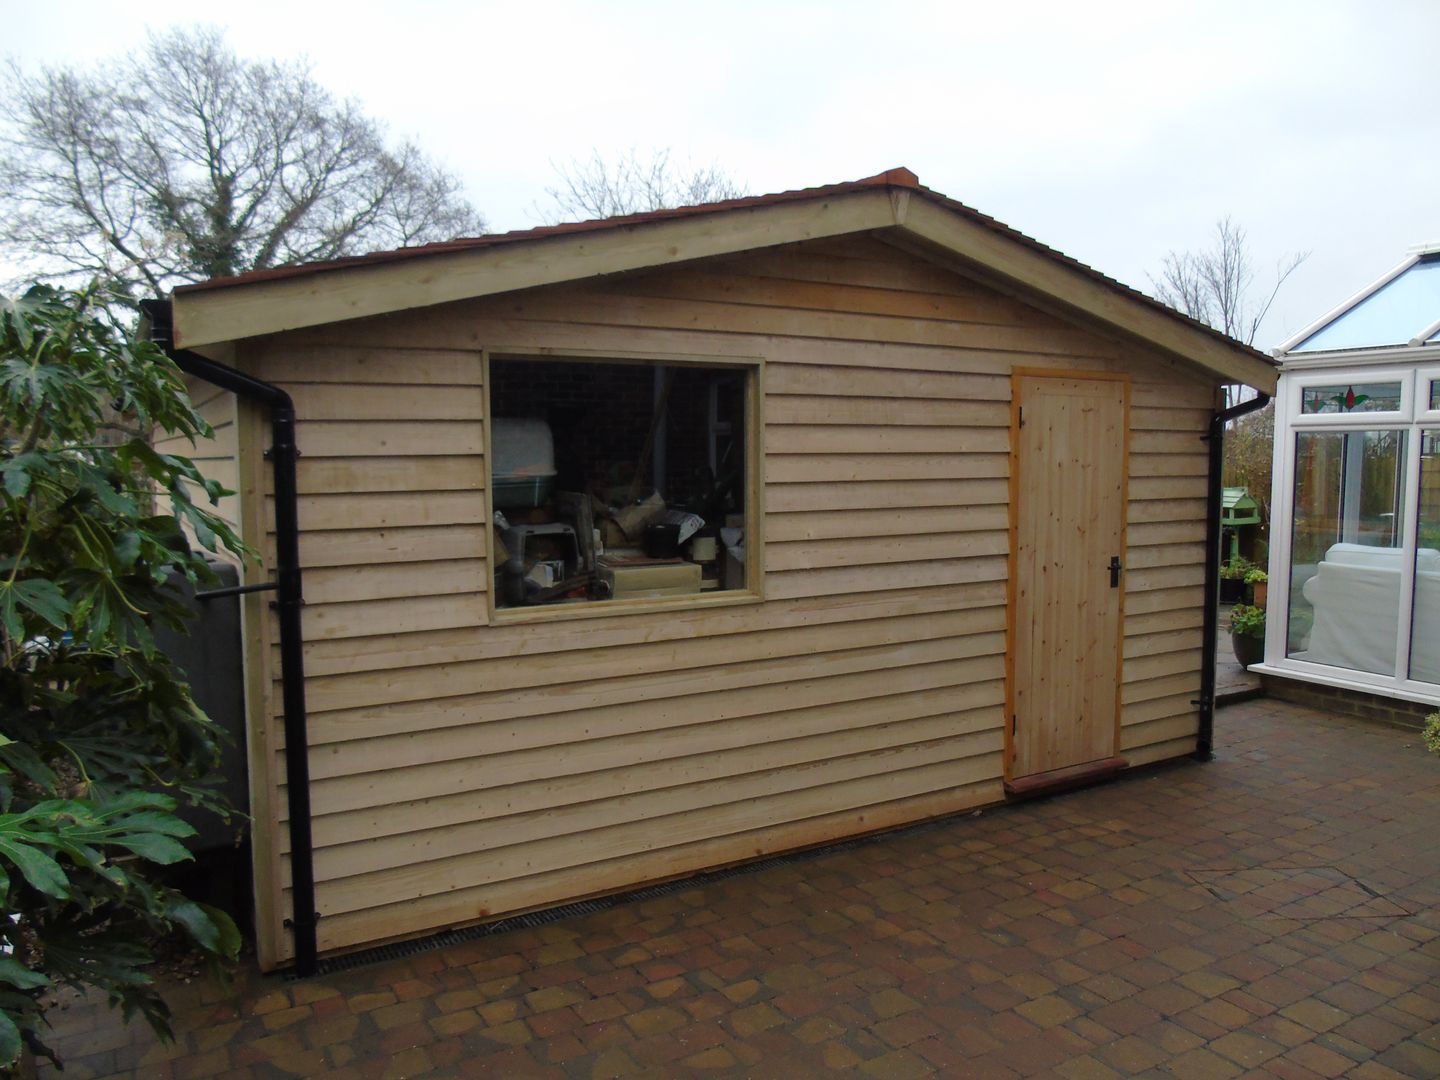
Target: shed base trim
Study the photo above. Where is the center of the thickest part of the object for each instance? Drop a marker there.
(1068, 777)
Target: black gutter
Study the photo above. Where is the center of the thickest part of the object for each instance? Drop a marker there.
(1204, 742)
(289, 601)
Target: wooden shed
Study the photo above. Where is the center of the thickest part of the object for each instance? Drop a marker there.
(953, 487)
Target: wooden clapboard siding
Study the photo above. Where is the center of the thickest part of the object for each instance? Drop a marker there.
(695, 811)
(464, 767)
(976, 602)
(594, 878)
(658, 768)
(216, 457)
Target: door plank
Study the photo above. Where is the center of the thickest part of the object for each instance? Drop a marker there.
(1070, 520)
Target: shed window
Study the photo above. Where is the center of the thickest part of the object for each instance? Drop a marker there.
(616, 480)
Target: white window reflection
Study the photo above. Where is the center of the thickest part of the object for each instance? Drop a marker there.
(1346, 555)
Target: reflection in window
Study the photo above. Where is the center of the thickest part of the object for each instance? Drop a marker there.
(1425, 624)
(1351, 398)
(617, 480)
(1435, 395)
(1346, 559)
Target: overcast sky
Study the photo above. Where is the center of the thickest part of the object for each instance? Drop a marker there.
(1112, 131)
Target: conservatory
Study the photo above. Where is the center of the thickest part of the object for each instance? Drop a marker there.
(1355, 540)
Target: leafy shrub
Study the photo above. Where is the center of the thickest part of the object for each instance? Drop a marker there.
(1247, 621)
(1236, 568)
(99, 738)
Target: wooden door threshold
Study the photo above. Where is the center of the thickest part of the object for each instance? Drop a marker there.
(1069, 777)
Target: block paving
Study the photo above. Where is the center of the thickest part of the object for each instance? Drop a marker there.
(1272, 913)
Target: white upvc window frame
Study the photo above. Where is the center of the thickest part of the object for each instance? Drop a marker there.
(1424, 377)
(1414, 416)
(1379, 417)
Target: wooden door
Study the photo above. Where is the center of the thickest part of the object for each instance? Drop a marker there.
(1069, 460)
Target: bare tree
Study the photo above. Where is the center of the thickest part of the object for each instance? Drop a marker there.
(631, 184)
(1248, 447)
(182, 162)
(1215, 285)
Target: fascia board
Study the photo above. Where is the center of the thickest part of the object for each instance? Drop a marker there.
(1340, 309)
(1386, 356)
(1038, 274)
(248, 310)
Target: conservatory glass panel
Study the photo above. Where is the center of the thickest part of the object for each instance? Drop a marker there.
(1350, 398)
(1345, 558)
(1435, 395)
(1391, 315)
(1425, 625)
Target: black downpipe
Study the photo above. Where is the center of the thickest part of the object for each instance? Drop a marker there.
(289, 601)
(1204, 743)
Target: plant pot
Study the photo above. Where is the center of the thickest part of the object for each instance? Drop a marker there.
(1261, 589)
(1232, 590)
(1248, 650)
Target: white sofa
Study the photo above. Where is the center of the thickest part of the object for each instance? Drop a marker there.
(1356, 596)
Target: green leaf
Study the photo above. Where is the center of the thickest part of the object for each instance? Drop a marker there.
(197, 921)
(40, 870)
(126, 549)
(17, 478)
(9, 1040)
(44, 598)
(230, 941)
(153, 846)
(18, 975)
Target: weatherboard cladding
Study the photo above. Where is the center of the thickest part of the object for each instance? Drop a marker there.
(463, 770)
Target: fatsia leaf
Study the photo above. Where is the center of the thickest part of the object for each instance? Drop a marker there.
(43, 597)
(19, 976)
(9, 1040)
(197, 923)
(40, 870)
(153, 846)
(17, 477)
(230, 940)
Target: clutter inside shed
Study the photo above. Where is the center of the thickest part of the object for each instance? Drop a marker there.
(614, 480)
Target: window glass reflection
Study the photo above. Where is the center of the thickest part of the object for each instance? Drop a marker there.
(1346, 556)
(1425, 624)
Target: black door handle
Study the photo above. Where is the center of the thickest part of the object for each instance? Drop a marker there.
(1114, 571)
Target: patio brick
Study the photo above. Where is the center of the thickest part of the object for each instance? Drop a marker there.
(1188, 922)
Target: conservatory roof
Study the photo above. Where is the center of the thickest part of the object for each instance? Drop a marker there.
(1400, 309)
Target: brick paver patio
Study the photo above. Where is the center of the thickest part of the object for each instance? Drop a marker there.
(1275, 912)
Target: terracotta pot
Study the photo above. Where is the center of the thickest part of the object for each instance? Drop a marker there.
(1261, 588)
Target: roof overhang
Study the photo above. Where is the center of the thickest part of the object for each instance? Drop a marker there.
(909, 215)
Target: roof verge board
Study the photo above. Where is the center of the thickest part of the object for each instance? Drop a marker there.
(891, 204)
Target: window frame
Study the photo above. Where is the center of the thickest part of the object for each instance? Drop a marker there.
(1414, 416)
(754, 590)
(1405, 377)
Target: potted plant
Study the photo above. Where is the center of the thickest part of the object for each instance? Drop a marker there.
(1247, 634)
(1259, 583)
(1232, 579)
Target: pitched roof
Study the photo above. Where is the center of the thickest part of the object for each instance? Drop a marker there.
(1401, 308)
(290, 297)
